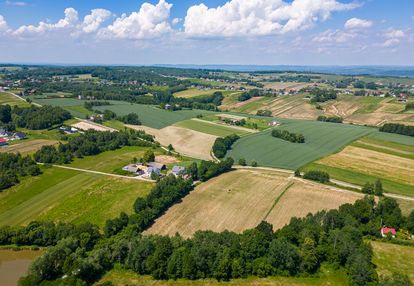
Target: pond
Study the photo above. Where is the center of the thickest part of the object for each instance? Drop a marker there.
(15, 264)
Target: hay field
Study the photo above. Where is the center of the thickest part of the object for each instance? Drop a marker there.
(88, 125)
(287, 85)
(305, 197)
(7, 98)
(27, 146)
(321, 139)
(185, 141)
(234, 201)
(240, 199)
(393, 258)
(373, 163)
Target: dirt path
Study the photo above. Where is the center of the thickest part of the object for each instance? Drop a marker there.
(100, 173)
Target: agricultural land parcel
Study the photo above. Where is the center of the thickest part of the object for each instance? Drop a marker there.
(321, 139)
(369, 159)
(73, 196)
(212, 128)
(7, 98)
(240, 199)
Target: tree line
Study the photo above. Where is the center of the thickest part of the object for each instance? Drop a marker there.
(335, 237)
(288, 136)
(333, 119)
(398, 129)
(14, 166)
(222, 145)
(322, 95)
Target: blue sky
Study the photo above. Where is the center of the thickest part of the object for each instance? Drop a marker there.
(273, 32)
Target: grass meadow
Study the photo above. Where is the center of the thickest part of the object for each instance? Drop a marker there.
(7, 98)
(210, 128)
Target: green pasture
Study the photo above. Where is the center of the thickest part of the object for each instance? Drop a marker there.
(396, 138)
(210, 128)
(390, 258)
(193, 92)
(387, 147)
(321, 139)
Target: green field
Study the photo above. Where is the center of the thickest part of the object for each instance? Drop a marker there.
(70, 196)
(393, 258)
(6, 98)
(152, 116)
(321, 139)
(396, 138)
(121, 277)
(209, 128)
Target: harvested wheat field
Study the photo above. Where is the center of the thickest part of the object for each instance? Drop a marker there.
(165, 159)
(185, 141)
(87, 125)
(373, 163)
(305, 197)
(27, 146)
(234, 201)
(292, 106)
(241, 199)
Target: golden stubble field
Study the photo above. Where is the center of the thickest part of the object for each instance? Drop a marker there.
(241, 199)
(374, 163)
(185, 141)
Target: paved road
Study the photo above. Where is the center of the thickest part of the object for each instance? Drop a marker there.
(100, 173)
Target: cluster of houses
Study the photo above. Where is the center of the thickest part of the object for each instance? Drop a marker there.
(149, 169)
(6, 136)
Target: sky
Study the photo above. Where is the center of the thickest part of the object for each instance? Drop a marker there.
(242, 32)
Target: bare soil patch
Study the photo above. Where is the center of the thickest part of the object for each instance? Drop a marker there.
(185, 141)
(165, 159)
(87, 125)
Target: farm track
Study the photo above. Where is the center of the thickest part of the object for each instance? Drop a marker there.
(100, 173)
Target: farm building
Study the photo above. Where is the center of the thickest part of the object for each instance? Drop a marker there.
(157, 165)
(3, 132)
(142, 170)
(20, 135)
(178, 171)
(385, 231)
(3, 142)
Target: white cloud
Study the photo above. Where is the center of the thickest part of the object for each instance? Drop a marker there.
(175, 21)
(258, 17)
(355, 23)
(394, 34)
(149, 22)
(16, 3)
(71, 18)
(3, 24)
(93, 21)
(334, 36)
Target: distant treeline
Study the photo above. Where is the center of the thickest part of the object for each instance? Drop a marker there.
(398, 128)
(222, 145)
(288, 136)
(34, 118)
(333, 119)
(13, 166)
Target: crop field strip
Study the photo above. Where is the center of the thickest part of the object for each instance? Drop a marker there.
(27, 147)
(8, 98)
(321, 139)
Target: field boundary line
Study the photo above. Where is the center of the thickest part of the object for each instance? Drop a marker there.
(290, 184)
(99, 173)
